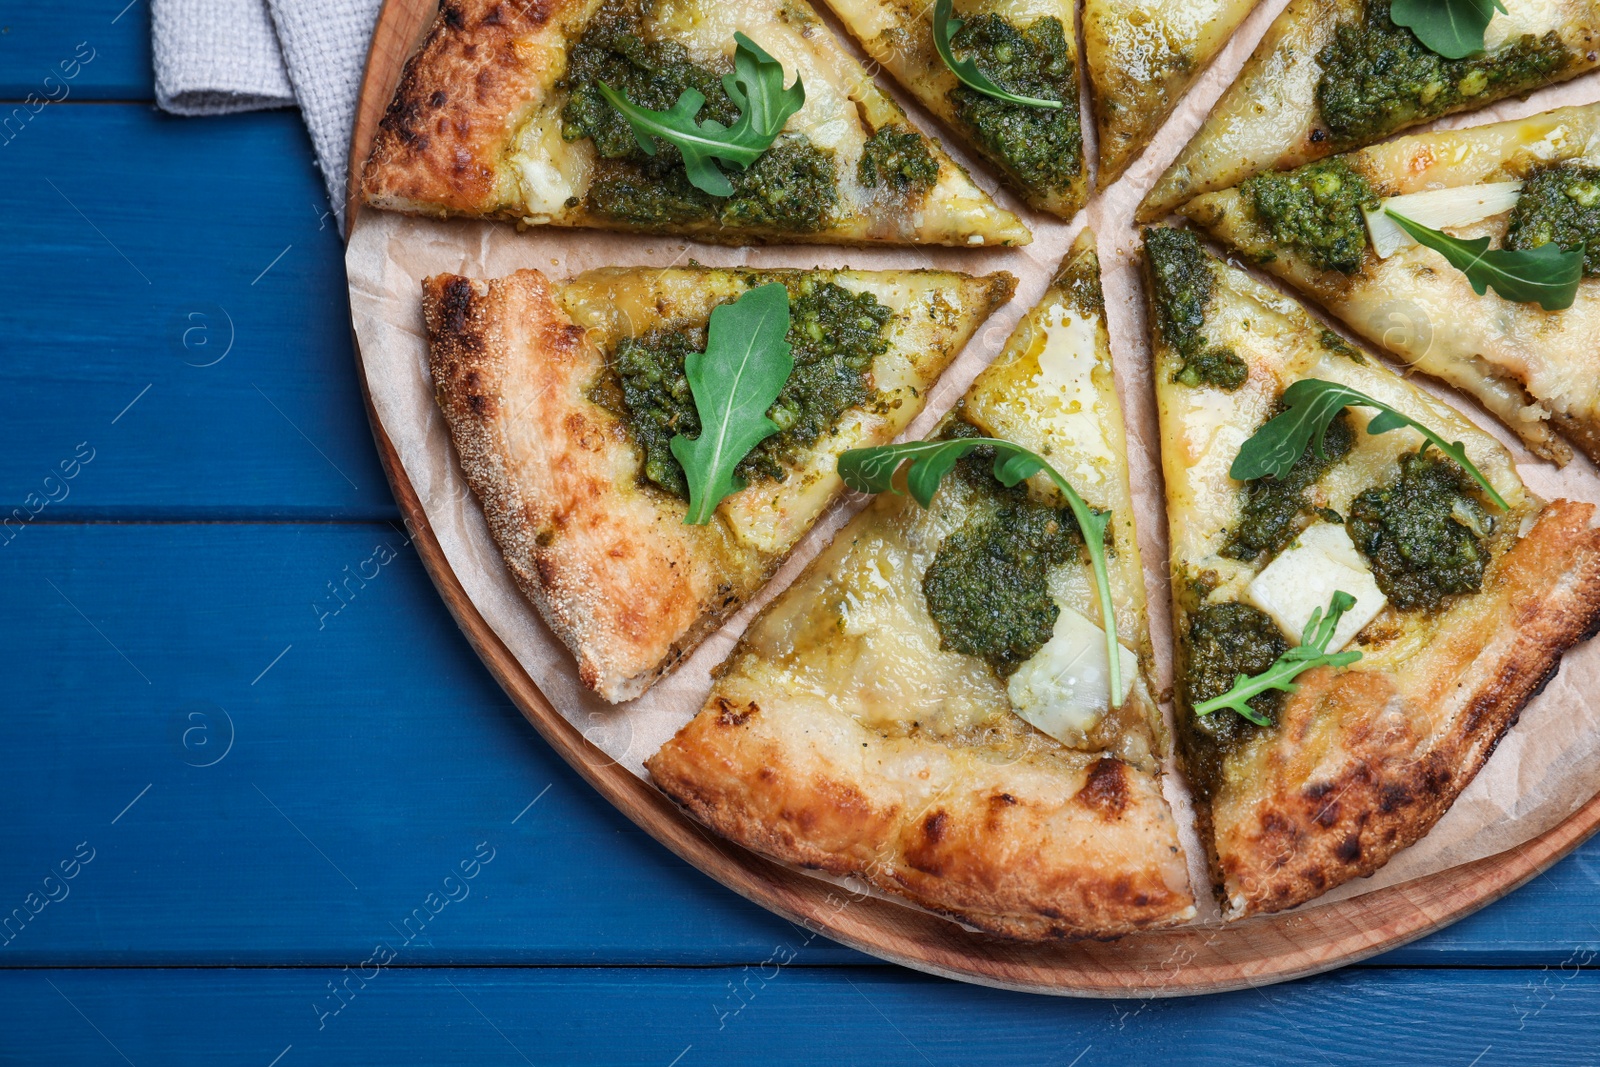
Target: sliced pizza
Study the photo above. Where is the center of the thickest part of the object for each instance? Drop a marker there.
(1015, 99)
(1325, 228)
(569, 404)
(1332, 75)
(933, 706)
(729, 122)
(1365, 594)
(1142, 56)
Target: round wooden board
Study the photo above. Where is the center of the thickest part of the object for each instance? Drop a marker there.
(1181, 962)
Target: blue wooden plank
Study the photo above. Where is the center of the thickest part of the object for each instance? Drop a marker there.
(175, 310)
(782, 1015)
(370, 754)
(93, 50)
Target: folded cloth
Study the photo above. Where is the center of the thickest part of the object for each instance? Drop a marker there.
(213, 57)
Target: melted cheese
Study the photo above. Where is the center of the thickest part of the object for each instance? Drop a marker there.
(1063, 688)
(1301, 582)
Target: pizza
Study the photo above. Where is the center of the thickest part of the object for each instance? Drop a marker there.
(503, 113)
(1030, 50)
(928, 706)
(1459, 595)
(1332, 75)
(563, 398)
(1142, 56)
(1522, 183)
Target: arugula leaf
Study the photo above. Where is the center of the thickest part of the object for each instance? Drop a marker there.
(755, 87)
(872, 470)
(966, 70)
(1312, 404)
(1450, 28)
(734, 381)
(1544, 275)
(1312, 652)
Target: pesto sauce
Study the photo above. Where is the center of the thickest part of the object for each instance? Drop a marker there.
(897, 158)
(791, 187)
(1421, 533)
(1041, 147)
(835, 334)
(1315, 209)
(1559, 205)
(1182, 285)
(1377, 77)
(1221, 642)
(986, 588)
(1332, 342)
(1271, 514)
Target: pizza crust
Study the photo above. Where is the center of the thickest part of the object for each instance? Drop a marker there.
(609, 564)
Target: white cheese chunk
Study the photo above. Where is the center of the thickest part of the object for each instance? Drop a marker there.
(1062, 688)
(1304, 578)
(1436, 209)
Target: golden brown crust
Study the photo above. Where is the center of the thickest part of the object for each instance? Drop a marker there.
(617, 576)
(1037, 849)
(1364, 763)
(460, 99)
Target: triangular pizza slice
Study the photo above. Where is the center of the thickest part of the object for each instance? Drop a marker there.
(565, 399)
(1359, 618)
(1530, 182)
(1332, 75)
(1028, 50)
(928, 706)
(1142, 57)
(666, 116)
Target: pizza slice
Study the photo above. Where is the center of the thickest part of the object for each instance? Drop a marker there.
(1142, 57)
(1365, 594)
(1324, 228)
(735, 123)
(569, 404)
(1027, 51)
(1332, 75)
(928, 706)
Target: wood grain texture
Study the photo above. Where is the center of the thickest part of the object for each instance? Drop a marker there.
(1170, 963)
(204, 263)
(776, 1015)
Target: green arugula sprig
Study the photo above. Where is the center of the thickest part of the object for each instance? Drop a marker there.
(1312, 404)
(966, 70)
(734, 381)
(1452, 28)
(872, 470)
(755, 87)
(1312, 652)
(1545, 275)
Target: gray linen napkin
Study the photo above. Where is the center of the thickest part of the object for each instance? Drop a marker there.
(216, 57)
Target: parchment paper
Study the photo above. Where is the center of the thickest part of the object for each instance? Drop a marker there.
(1544, 769)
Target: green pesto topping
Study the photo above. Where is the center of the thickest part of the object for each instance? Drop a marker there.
(1041, 147)
(986, 585)
(1221, 642)
(1080, 280)
(1332, 342)
(1182, 284)
(898, 158)
(1424, 533)
(1275, 510)
(792, 187)
(1377, 77)
(1315, 209)
(835, 334)
(1559, 205)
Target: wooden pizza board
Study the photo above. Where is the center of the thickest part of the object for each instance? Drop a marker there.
(1181, 962)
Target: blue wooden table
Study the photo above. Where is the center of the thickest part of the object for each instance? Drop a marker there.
(247, 818)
